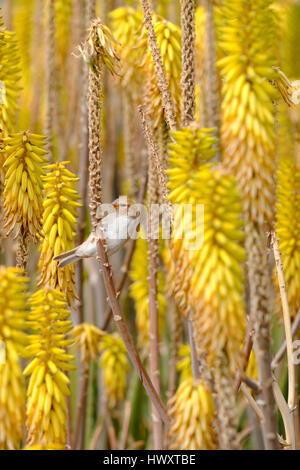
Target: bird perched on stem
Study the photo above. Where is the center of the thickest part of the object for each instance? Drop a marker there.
(118, 222)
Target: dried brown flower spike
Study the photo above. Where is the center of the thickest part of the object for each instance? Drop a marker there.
(98, 50)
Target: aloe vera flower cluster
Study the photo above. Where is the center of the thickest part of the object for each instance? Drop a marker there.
(23, 186)
(10, 73)
(115, 365)
(49, 384)
(13, 313)
(59, 227)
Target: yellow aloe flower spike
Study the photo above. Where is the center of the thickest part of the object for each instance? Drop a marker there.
(191, 148)
(192, 412)
(9, 77)
(212, 283)
(217, 281)
(139, 292)
(247, 132)
(13, 311)
(288, 228)
(87, 338)
(48, 385)
(126, 26)
(23, 186)
(115, 365)
(59, 228)
(248, 40)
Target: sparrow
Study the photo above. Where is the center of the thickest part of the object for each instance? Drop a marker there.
(116, 228)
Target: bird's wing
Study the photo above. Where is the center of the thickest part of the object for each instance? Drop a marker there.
(68, 260)
(64, 255)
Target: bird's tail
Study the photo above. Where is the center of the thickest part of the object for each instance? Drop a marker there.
(67, 258)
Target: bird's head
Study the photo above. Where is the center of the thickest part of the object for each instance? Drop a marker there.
(122, 203)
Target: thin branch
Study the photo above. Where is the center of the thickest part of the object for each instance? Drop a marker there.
(292, 403)
(118, 316)
(281, 351)
(253, 403)
(252, 384)
(120, 282)
(159, 68)
(188, 61)
(246, 354)
(242, 435)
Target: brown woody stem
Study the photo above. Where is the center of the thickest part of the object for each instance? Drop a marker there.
(118, 316)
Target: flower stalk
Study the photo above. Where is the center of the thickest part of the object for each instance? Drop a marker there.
(98, 50)
(188, 61)
(153, 301)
